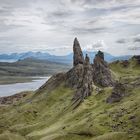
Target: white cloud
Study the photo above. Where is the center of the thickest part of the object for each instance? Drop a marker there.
(99, 45)
(52, 24)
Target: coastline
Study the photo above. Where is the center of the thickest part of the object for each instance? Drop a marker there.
(14, 88)
(5, 80)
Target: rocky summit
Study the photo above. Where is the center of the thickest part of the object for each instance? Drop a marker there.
(84, 76)
(119, 91)
(78, 57)
(101, 72)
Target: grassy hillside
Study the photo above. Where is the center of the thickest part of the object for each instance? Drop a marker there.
(23, 70)
(49, 115)
(126, 71)
(31, 67)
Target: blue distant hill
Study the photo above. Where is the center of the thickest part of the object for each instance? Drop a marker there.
(61, 59)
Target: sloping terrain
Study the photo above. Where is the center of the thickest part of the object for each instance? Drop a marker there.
(89, 102)
(25, 70)
(49, 114)
(31, 67)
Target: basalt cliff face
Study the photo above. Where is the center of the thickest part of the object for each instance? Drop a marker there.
(83, 76)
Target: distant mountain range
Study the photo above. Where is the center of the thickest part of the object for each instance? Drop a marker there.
(53, 58)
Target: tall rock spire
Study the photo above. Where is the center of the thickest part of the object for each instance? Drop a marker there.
(87, 59)
(101, 72)
(78, 57)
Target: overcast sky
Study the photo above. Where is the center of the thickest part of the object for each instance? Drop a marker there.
(50, 26)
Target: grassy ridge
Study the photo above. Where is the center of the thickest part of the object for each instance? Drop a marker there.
(50, 115)
(24, 70)
(31, 67)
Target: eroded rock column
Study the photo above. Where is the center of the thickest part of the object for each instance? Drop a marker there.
(78, 57)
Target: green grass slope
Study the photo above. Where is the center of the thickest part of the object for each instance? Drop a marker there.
(130, 72)
(50, 115)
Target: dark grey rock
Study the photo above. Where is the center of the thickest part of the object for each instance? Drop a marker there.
(118, 93)
(100, 54)
(137, 57)
(85, 89)
(125, 63)
(101, 72)
(74, 76)
(78, 57)
(87, 60)
(82, 76)
(132, 117)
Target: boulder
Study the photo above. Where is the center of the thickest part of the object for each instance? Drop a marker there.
(117, 94)
(125, 63)
(137, 57)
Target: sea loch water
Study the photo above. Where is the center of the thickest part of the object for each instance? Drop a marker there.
(10, 89)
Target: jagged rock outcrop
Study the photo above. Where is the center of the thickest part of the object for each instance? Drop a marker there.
(119, 91)
(78, 57)
(100, 54)
(83, 75)
(80, 78)
(13, 98)
(101, 72)
(87, 60)
(86, 87)
(125, 63)
(74, 76)
(137, 57)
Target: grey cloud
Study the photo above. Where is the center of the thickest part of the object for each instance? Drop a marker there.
(121, 41)
(131, 43)
(132, 39)
(6, 11)
(5, 28)
(89, 30)
(88, 2)
(15, 3)
(61, 14)
(137, 39)
(134, 48)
